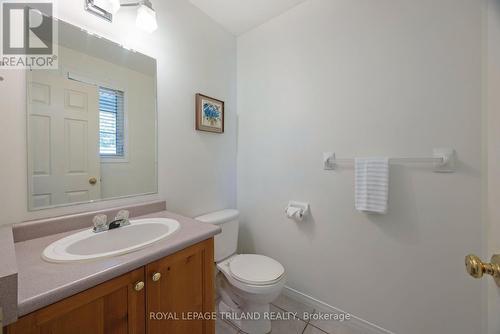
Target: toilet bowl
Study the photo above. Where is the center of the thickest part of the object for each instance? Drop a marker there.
(246, 283)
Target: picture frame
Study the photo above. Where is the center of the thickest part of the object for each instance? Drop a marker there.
(209, 114)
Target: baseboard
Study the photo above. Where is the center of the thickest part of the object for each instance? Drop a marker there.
(356, 322)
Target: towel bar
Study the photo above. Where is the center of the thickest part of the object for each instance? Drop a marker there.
(443, 160)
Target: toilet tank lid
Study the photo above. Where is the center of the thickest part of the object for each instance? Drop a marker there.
(219, 217)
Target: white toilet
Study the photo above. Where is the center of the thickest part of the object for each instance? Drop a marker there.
(246, 283)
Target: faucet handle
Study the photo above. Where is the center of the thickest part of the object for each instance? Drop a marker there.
(122, 214)
(100, 221)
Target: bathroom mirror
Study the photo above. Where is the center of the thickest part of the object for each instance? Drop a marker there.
(91, 123)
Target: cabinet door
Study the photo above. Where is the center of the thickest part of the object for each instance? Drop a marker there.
(180, 298)
(113, 307)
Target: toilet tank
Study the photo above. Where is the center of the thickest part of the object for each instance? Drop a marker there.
(227, 241)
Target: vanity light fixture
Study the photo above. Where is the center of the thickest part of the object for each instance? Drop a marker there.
(146, 15)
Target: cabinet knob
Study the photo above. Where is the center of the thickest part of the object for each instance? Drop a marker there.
(156, 277)
(139, 286)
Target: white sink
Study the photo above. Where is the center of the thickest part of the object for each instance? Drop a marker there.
(87, 245)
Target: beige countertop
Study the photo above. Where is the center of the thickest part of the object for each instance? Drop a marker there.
(8, 276)
(41, 283)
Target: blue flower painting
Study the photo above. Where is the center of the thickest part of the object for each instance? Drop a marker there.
(209, 114)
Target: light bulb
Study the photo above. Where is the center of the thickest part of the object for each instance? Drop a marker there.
(146, 19)
(115, 6)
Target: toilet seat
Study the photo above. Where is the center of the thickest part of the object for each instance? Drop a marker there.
(245, 284)
(255, 269)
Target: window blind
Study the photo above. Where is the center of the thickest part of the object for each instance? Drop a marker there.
(111, 122)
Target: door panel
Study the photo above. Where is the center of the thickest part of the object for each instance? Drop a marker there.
(63, 140)
(75, 139)
(76, 100)
(40, 93)
(89, 320)
(40, 132)
(185, 289)
(113, 307)
(77, 196)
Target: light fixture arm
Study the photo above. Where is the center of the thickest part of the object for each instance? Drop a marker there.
(131, 4)
(146, 3)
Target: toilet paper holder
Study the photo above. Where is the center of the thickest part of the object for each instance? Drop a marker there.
(297, 210)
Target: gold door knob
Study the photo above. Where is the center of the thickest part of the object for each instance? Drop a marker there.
(92, 180)
(139, 286)
(477, 268)
(156, 277)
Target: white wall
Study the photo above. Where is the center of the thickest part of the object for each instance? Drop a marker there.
(196, 170)
(364, 78)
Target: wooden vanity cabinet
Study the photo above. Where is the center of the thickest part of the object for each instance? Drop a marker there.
(113, 307)
(182, 292)
(176, 288)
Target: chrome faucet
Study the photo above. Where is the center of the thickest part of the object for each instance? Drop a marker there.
(101, 221)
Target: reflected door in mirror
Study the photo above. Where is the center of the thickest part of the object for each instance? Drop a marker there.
(63, 140)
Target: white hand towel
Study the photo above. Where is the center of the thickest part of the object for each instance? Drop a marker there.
(372, 184)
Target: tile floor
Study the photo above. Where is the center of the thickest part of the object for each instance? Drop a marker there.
(294, 326)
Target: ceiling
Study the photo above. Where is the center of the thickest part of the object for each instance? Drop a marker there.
(240, 16)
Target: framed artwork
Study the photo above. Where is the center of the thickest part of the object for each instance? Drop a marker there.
(209, 114)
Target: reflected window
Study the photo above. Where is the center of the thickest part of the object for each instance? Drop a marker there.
(111, 123)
